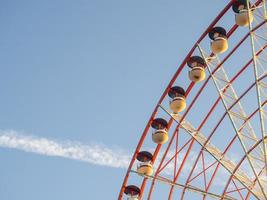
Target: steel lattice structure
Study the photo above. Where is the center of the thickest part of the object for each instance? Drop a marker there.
(217, 146)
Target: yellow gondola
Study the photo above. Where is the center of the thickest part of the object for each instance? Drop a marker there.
(197, 72)
(160, 134)
(219, 39)
(178, 100)
(242, 17)
(144, 166)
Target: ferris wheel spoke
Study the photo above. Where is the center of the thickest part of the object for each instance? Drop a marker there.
(174, 156)
(237, 114)
(214, 152)
(259, 71)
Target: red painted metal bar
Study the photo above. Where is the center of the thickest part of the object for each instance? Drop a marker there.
(202, 171)
(237, 189)
(175, 155)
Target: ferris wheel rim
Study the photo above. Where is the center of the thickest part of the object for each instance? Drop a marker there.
(176, 75)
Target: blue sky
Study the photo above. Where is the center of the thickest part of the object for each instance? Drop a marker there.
(89, 72)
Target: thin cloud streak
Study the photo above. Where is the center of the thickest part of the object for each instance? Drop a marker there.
(93, 154)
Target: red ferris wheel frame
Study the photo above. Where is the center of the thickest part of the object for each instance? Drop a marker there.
(239, 189)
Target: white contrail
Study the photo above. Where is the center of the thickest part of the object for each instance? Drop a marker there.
(93, 154)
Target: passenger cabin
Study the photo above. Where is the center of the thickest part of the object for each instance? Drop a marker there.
(177, 99)
(242, 15)
(144, 166)
(160, 133)
(132, 192)
(197, 68)
(219, 39)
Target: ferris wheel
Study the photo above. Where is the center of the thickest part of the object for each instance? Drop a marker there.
(206, 138)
